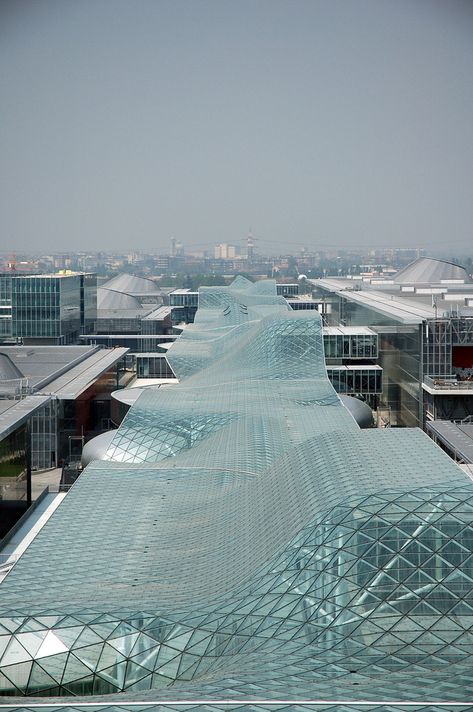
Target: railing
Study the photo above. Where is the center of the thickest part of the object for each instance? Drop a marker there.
(463, 421)
(447, 383)
(7, 561)
(55, 489)
(15, 388)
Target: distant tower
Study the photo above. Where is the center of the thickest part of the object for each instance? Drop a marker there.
(250, 246)
(173, 246)
(12, 263)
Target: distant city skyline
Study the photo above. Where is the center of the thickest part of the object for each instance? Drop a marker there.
(342, 124)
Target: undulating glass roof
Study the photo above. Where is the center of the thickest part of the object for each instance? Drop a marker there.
(244, 540)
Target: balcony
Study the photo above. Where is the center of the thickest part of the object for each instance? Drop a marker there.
(447, 385)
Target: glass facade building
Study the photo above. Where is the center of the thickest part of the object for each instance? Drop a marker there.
(44, 437)
(184, 304)
(243, 541)
(356, 380)
(340, 344)
(49, 309)
(5, 306)
(425, 350)
(13, 484)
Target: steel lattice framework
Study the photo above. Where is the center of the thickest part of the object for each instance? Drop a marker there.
(244, 539)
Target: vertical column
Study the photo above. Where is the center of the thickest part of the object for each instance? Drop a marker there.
(28, 462)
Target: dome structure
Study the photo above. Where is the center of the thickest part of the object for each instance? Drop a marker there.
(360, 410)
(8, 370)
(113, 299)
(426, 269)
(96, 448)
(129, 284)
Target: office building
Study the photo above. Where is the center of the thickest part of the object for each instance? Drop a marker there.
(15, 454)
(139, 320)
(47, 309)
(424, 321)
(224, 252)
(243, 541)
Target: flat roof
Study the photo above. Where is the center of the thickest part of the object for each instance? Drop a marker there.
(76, 380)
(123, 313)
(122, 337)
(51, 275)
(15, 413)
(389, 304)
(42, 364)
(348, 331)
(301, 298)
(354, 367)
(442, 387)
(455, 436)
(152, 354)
(159, 313)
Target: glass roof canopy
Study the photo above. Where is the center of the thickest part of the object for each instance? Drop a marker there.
(245, 540)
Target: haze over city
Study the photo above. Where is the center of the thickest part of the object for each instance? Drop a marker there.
(315, 124)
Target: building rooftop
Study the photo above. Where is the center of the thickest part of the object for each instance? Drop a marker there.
(129, 284)
(159, 314)
(457, 437)
(14, 413)
(52, 275)
(428, 270)
(64, 371)
(129, 337)
(392, 305)
(76, 380)
(348, 331)
(425, 289)
(134, 313)
(41, 364)
(8, 370)
(113, 299)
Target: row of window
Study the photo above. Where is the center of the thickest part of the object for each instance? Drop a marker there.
(351, 345)
(360, 381)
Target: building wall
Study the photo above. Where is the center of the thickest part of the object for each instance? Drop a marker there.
(44, 437)
(401, 358)
(88, 302)
(5, 306)
(13, 478)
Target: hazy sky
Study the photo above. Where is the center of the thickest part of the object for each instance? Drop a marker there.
(342, 122)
